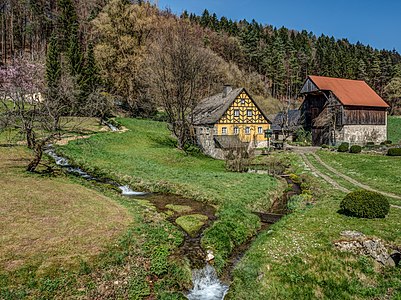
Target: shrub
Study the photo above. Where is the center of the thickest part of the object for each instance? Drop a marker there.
(370, 144)
(343, 147)
(365, 204)
(388, 142)
(355, 149)
(324, 146)
(394, 152)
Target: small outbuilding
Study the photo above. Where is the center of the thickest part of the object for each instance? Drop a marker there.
(285, 125)
(339, 110)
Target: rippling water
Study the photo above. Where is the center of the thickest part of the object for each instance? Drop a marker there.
(207, 285)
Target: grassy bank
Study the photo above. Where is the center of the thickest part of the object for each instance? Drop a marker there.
(394, 129)
(62, 237)
(296, 259)
(145, 158)
(378, 171)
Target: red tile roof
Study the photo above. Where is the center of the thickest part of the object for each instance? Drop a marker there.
(350, 92)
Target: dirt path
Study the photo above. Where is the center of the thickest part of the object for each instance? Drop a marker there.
(334, 183)
(331, 181)
(353, 181)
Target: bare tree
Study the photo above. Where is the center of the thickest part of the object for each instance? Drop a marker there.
(26, 107)
(288, 123)
(181, 71)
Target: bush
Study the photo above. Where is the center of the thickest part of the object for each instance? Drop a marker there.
(365, 204)
(355, 149)
(343, 147)
(388, 142)
(370, 144)
(324, 146)
(394, 152)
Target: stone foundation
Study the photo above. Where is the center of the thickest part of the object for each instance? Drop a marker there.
(361, 134)
(206, 142)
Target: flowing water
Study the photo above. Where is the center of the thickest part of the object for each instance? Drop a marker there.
(207, 285)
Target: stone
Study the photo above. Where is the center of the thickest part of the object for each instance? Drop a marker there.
(361, 245)
(351, 234)
(209, 255)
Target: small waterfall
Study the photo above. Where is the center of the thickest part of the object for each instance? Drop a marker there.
(63, 162)
(207, 285)
(126, 191)
(111, 126)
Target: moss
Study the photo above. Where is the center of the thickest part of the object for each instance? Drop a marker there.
(191, 223)
(179, 208)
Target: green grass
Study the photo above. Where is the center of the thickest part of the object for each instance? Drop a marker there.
(146, 158)
(296, 259)
(63, 237)
(394, 129)
(378, 171)
(341, 181)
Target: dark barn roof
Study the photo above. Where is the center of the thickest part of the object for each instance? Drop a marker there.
(211, 109)
(294, 120)
(349, 92)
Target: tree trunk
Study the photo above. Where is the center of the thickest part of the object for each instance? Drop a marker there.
(38, 152)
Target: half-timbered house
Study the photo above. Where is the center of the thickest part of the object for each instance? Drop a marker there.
(341, 110)
(227, 120)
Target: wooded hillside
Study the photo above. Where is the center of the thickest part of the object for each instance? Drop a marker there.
(267, 60)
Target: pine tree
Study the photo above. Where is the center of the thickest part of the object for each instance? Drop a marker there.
(90, 80)
(362, 73)
(74, 54)
(90, 74)
(67, 22)
(53, 65)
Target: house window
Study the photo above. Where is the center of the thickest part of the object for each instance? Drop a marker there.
(242, 101)
(260, 130)
(249, 113)
(236, 130)
(223, 130)
(236, 112)
(247, 130)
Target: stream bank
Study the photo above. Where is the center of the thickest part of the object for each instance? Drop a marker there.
(191, 247)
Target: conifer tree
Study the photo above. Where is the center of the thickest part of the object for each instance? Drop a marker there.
(67, 22)
(53, 65)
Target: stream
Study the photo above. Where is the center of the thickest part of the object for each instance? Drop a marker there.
(206, 283)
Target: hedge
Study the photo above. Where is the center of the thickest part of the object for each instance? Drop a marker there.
(365, 204)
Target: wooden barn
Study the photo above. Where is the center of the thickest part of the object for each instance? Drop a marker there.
(341, 110)
(230, 119)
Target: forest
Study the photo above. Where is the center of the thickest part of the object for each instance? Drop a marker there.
(270, 62)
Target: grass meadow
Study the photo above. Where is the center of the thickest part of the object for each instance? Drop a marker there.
(62, 237)
(145, 157)
(378, 171)
(296, 259)
(394, 129)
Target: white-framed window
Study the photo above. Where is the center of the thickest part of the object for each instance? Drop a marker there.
(260, 130)
(247, 130)
(236, 130)
(236, 112)
(249, 112)
(242, 101)
(223, 130)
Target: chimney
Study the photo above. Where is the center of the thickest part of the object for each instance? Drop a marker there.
(226, 90)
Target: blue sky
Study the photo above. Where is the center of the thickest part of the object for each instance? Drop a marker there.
(377, 23)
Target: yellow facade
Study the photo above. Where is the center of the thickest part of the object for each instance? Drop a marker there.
(244, 119)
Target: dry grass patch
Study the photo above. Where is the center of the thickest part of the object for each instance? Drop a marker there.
(51, 221)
